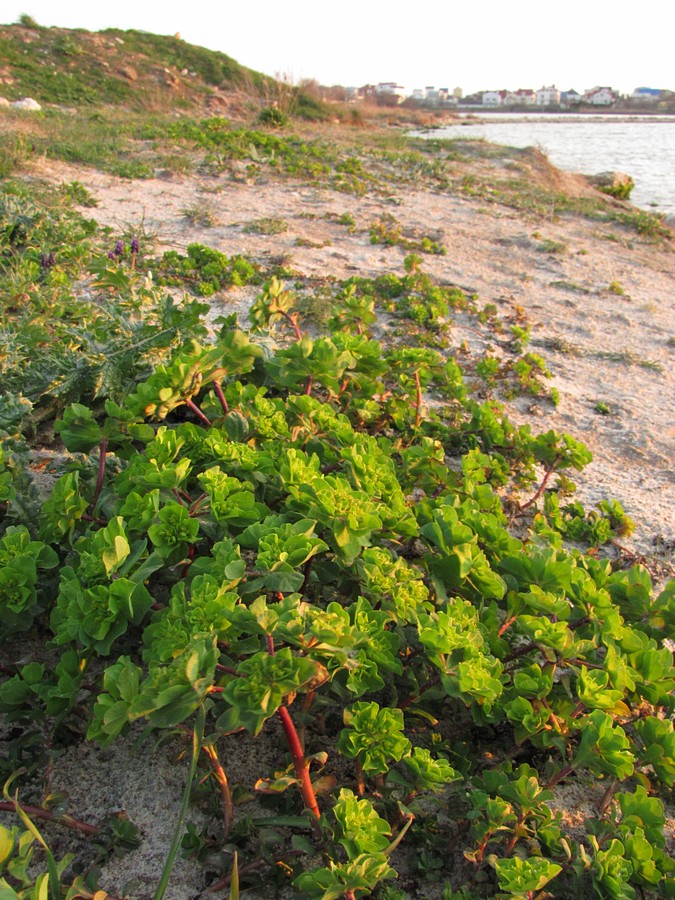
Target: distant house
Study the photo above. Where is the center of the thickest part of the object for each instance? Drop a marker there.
(418, 94)
(521, 97)
(548, 96)
(493, 98)
(570, 98)
(473, 99)
(390, 91)
(600, 96)
(526, 96)
(646, 95)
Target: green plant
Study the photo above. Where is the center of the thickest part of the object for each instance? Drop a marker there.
(27, 21)
(646, 224)
(266, 226)
(621, 190)
(206, 270)
(273, 117)
(201, 215)
(549, 246)
(348, 220)
(388, 231)
(320, 542)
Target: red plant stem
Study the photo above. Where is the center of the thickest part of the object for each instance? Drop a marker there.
(308, 385)
(480, 849)
(223, 784)
(188, 563)
(228, 669)
(542, 487)
(360, 782)
(101, 472)
(515, 837)
(218, 388)
(299, 762)
(194, 508)
(297, 753)
(294, 323)
(87, 518)
(38, 813)
(507, 624)
(306, 706)
(197, 411)
(418, 399)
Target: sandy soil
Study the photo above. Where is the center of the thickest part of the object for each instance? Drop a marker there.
(601, 347)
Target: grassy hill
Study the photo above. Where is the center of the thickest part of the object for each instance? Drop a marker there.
(139, 70)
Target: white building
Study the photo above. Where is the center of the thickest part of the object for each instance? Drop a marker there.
(391, 88)
(492, 98)
(548, 96)
(600, 96)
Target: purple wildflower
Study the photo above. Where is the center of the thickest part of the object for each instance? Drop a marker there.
(119, 248)
(51, 260)
(111, 255)
(44, 264)
(135, 246)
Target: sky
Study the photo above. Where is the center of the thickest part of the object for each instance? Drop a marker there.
(487, 45)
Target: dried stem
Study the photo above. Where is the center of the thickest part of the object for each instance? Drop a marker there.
(244, 870)
(418, 399)
(558, 777)
(607, 797)
(101, 472)
(521, 651)
(38, 813)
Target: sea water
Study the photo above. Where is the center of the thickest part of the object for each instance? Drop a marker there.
(641, 146)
